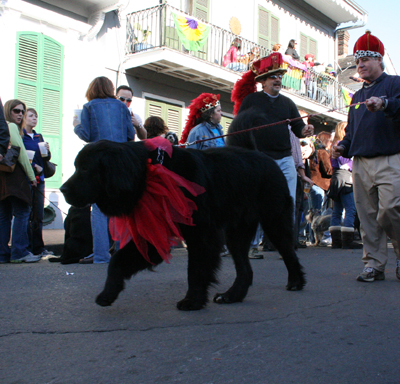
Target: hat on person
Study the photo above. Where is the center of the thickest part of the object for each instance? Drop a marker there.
(259, 71)
(267, 66)
(308, 56)
(368, 45)
(198, 106)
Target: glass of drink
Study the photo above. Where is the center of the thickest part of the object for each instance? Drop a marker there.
(307, 187)
(43, 149)
(30, 154)
(77, 114)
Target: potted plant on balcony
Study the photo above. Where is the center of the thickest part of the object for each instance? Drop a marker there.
(140, 37)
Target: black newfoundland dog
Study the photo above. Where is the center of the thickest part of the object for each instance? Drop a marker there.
(242, 188)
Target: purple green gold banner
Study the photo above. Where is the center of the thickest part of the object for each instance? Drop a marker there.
(192, 33)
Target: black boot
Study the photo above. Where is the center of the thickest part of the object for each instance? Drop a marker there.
(336, 235)
(348, 239)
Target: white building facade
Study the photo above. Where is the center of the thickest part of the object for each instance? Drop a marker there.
(55, 48)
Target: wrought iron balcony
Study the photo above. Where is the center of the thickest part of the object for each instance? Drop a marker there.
(157, 27)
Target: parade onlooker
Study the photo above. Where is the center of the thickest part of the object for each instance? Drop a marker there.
(232, 57)
(321, 172)
(276, 47)
(155, 126)
(203, 122)
(125, 94)
(373, 138)
(4, 134)
(341, 192)
(31, 141)
(291, 50)
(273, 107)
(103, 118)
(15, 194)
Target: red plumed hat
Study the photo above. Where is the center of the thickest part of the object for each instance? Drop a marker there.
(199, 105)
(259, 70)
(368, 45)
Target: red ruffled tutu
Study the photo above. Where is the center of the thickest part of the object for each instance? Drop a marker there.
(161, 208)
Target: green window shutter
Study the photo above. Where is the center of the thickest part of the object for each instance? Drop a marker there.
(153, 108)
(274, 30)
(171, 114)
(39, 85)
(268, 28)
(201, 9)
(313, 47)
(307, 45)
(27, 69)
(303, 46)
(174, 119)
(263, 27)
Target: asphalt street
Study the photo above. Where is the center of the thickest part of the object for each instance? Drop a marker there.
(336, 330)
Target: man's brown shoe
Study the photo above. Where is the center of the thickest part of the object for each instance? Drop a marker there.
(87, 260)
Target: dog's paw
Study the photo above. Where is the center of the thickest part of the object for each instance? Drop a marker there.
(104, 299)
(189, 305)
(222, 298)
(295, 285)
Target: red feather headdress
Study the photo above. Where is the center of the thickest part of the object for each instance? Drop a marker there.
(199, 105)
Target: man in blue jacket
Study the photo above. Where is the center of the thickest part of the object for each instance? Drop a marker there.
(373, 138)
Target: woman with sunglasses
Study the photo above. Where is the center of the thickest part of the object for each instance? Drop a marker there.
(15, 194)
(31, 141)
(103, 118)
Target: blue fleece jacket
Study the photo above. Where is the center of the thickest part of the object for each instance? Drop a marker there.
(372, 134)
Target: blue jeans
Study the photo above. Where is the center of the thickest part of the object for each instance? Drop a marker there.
(346, 203)
(289, 170)
(36, 244)
(101, 241)
(316, 197)
(9, 207)
(257, 237)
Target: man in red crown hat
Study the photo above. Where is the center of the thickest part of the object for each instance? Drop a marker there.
(373, 138)
(273, 107)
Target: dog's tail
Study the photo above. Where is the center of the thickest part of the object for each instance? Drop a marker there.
(249, 118)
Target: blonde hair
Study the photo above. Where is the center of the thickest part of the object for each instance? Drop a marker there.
(276, 47)
(23, 124)
(340, 131)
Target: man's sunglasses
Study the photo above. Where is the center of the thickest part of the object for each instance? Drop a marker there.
(124, 99)
(274, 77)
(18, 111)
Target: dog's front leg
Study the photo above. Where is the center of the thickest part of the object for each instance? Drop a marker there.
(123, 264)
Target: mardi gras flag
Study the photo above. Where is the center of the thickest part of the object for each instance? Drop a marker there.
(192, 33)
(347, 96)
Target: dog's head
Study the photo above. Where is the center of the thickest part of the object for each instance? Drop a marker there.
(112, 175)
(313, 214)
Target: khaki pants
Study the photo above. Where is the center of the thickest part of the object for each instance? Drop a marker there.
(377, 197)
